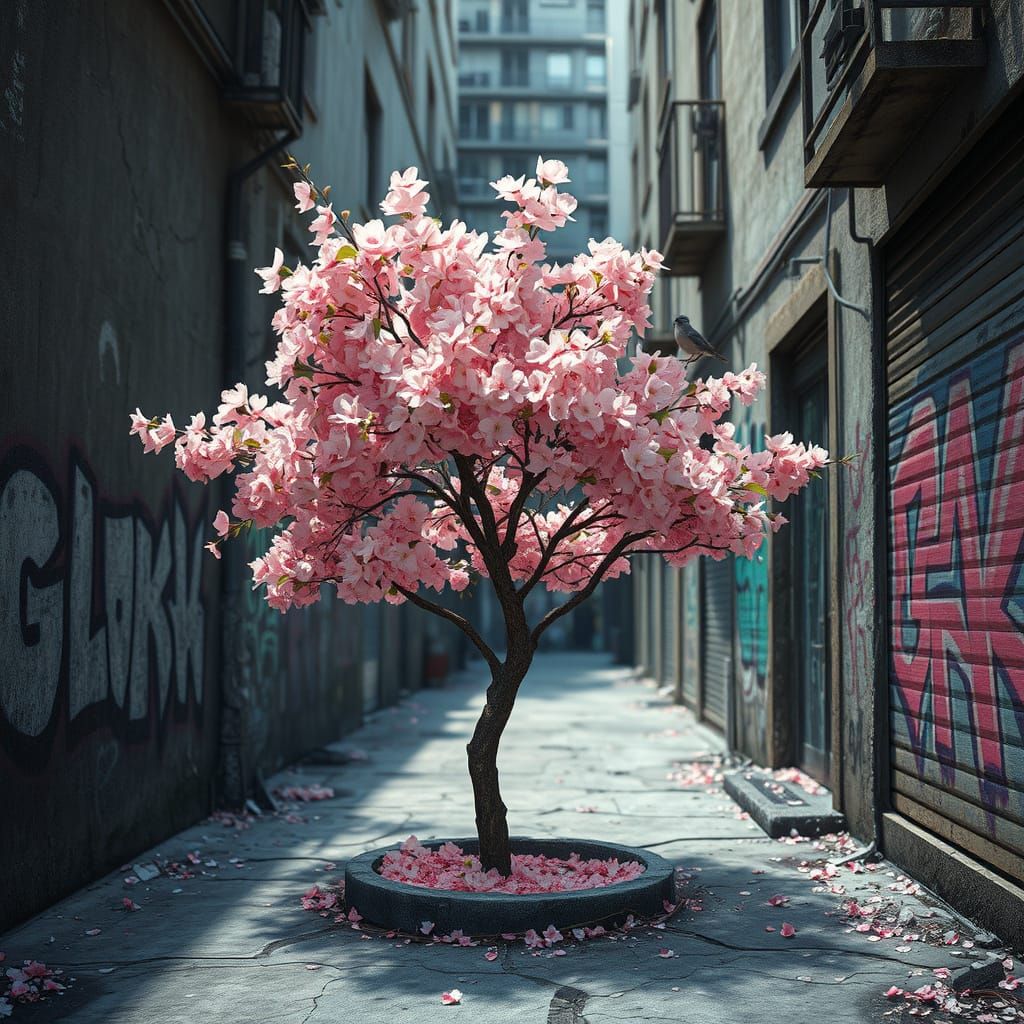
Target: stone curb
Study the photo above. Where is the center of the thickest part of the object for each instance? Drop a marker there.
(405, 907)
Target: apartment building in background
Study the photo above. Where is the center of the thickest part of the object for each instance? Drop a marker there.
(543, 77)
(144, 681)
(838, 189)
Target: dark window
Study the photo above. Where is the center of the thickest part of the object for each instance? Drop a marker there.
(597, 121)
(515, 67)
(661, 28)
(431, 120)
(474, 122)
(595, 16)
(781, 33)
(706, 125)
(374, 115)
(599, 224)
(514, 16)
(409, 49)
(707, 34)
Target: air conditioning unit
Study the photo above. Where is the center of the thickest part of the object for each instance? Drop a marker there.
(266, 80)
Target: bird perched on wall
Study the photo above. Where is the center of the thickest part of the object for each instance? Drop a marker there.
(692, 342)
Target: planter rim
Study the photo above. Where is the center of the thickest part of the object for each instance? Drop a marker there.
(404, 906)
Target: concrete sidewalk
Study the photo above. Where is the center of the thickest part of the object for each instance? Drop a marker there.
(590, 752)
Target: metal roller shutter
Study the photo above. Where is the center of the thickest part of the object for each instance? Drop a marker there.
(690, 626)
(670, 626)
(653, 617)
(954, 280)
(716, 618)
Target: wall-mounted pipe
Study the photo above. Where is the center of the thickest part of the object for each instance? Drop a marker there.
(233, 768)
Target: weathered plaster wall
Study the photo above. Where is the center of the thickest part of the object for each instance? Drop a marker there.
(108, 641)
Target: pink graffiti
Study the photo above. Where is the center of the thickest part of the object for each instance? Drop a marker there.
(955, 577)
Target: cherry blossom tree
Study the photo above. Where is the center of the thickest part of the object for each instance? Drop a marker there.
(453, 410)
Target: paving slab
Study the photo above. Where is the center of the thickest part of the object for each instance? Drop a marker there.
(591, 752)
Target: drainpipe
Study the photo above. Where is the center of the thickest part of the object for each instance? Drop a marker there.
(236, 670)
(866, 313)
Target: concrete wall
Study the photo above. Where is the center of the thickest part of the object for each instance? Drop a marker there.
(116, 149)
(109, 689)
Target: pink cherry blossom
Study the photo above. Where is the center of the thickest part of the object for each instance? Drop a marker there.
(272, 275)
(421, 343)
(451, 998)
(452, 409)
(787, 931)
(303, 196)
(448, 867)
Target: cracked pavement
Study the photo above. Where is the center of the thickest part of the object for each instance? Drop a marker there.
(588, 754)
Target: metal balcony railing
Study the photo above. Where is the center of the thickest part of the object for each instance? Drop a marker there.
(872, 69)
(691, 183)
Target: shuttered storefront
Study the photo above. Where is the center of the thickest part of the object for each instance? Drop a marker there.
(690, 626)
(654, 564)
(638, 570)
(954, 287)
(716, 620)
(671, 626)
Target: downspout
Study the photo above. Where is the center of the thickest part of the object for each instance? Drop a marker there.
(235, 694)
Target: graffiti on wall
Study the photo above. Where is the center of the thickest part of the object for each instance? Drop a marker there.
(957, 536)
(100, 604)
(752, 601)
(12, 100)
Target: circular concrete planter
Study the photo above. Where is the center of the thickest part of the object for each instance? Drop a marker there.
(404, 907)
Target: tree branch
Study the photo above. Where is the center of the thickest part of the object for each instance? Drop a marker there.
(464, 624)
(547, 552)
(581, 595)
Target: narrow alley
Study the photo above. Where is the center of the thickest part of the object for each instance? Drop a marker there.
(220, 932)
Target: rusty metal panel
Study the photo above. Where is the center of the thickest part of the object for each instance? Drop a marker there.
(955, 359)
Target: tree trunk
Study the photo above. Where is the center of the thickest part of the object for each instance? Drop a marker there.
(491, 819)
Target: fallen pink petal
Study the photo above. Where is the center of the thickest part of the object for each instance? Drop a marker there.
(451, 998)
(448, 867)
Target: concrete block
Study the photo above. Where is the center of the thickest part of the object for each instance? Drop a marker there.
(781, 807)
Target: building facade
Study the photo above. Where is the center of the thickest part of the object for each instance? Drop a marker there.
(837, 189)
(535, 78)
(143, 682)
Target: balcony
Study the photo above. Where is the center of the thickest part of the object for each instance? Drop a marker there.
(691, 184)
(872, 70)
